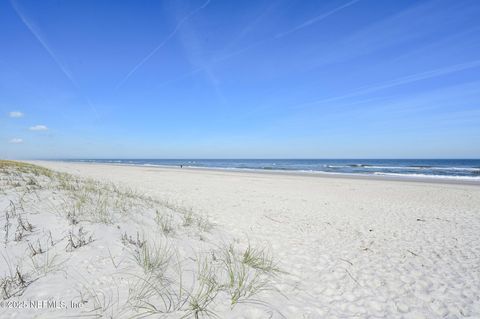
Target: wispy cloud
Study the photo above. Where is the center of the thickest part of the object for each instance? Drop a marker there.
(159, 46)
(316, 19)
(38, 35)
(260, 42)
(249, 27)
(417, 22)
(365, 91)
(398, 82)
(15, 140)
(38, 128)
(194, 52)
(15, 114)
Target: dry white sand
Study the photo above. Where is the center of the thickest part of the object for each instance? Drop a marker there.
(351, 248)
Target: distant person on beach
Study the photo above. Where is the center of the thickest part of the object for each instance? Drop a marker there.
(181, 166)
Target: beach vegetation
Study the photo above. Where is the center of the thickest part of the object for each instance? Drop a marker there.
(164, 222)
(242, 281)
(259, 258)
(14, 284)
(186, 275)
(77, 240)
(153, 257)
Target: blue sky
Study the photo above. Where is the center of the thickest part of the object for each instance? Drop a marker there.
(239, 79)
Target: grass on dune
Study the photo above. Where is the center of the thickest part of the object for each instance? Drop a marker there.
(162, 278)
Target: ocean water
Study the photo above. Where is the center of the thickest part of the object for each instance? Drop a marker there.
(468, 169)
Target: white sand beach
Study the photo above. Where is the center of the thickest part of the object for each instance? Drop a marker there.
(345, 247)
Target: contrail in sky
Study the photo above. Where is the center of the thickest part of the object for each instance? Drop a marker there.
(316, 19)
(158, 47)
(378, 87)
(260, 42)
(37, 34)
(400, 81)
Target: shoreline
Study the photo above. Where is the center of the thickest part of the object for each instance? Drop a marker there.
(314, 174)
